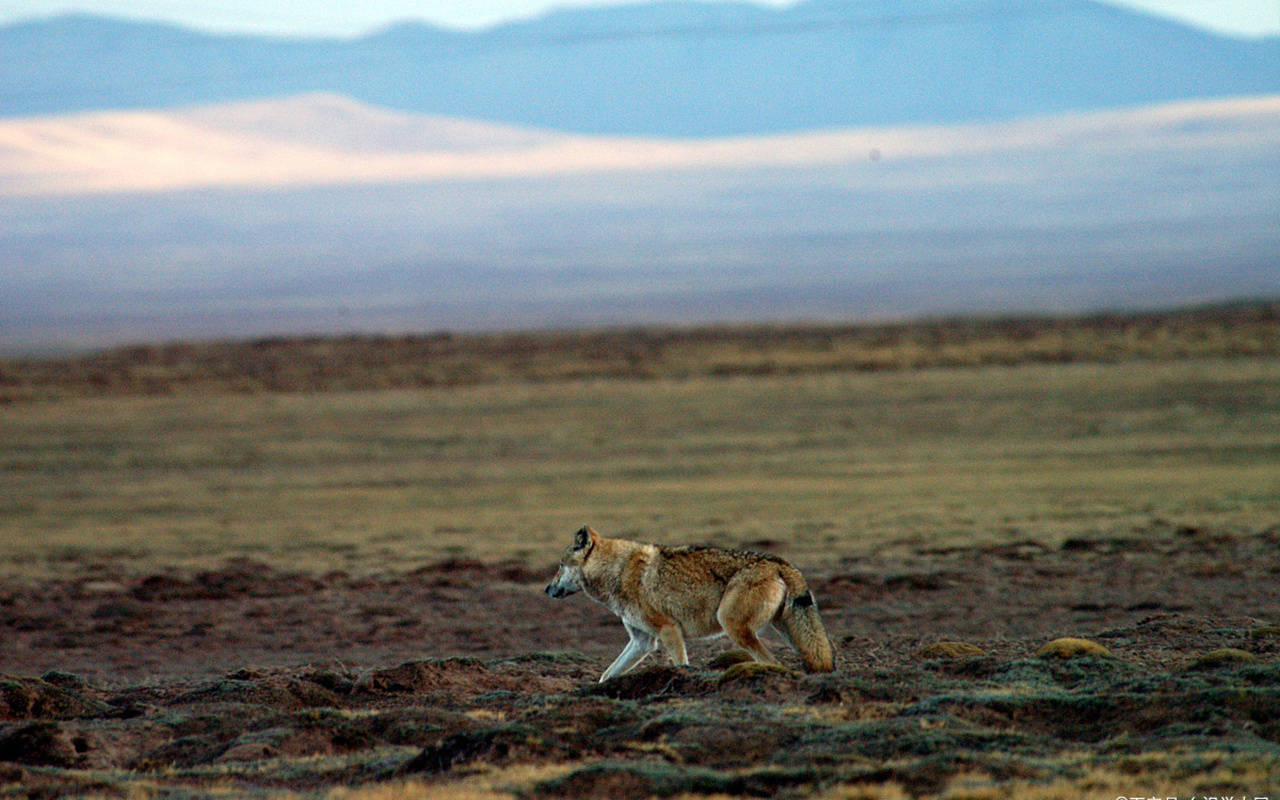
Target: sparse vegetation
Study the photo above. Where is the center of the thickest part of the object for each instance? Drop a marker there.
(1241, 330)
(1072, 647)
(952, 650)
(1223, 657)
(225, 589)
(1014, 730)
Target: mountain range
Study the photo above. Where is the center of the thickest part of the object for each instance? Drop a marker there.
(670, 163)
(672, 69)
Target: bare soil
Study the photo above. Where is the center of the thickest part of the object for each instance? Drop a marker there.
(274, 682)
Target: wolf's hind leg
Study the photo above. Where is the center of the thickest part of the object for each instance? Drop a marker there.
(641, 645)
(673, 640)
(747, 607)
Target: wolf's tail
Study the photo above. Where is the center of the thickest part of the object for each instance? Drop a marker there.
(800, 622)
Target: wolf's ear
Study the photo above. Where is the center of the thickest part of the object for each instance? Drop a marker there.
(583, 537)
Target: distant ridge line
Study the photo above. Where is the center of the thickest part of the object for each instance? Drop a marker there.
(1239, 329)
(666, 69)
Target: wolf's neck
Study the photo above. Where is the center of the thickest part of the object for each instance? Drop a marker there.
(604, 576)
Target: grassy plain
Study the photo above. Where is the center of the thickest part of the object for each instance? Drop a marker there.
(818, 464)
(1001, 485)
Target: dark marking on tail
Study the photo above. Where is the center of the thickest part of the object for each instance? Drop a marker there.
(803, 600)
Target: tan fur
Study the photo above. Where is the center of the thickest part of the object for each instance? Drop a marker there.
(666, 595)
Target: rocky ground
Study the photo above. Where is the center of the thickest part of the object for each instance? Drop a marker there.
(249, 680)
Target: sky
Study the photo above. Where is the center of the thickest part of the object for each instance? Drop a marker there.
(345, 18)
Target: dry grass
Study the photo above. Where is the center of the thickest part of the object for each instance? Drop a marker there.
(819, 465)
(487, 783)
(1152, 774)
(1240, 330)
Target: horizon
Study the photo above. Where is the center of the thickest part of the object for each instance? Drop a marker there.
(329, 18)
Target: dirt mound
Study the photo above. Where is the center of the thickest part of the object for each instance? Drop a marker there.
(281, 692)
(37, 698)
(43, 743)
(452, 680)
(467, 675)
(650, 682)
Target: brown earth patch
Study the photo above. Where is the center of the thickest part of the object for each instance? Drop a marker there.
(274, 681)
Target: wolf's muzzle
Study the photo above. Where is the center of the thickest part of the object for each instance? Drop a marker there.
(557, 591)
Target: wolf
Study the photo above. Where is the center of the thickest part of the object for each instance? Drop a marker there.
(665, 595)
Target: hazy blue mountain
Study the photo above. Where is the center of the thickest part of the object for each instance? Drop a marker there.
(673, 68)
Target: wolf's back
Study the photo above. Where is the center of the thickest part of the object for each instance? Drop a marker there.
(717, 564)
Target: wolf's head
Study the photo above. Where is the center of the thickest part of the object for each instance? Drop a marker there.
(568, 578)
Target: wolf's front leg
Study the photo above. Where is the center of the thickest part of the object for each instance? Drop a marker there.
(641, 645)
